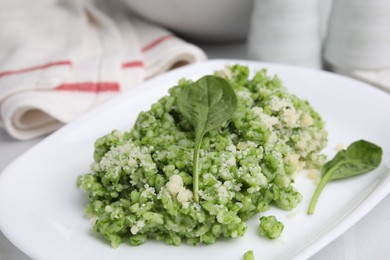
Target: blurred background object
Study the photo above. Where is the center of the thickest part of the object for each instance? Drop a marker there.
(358, 41)
(216, 20)
(286, 32)
(282, 31)
(359, 34)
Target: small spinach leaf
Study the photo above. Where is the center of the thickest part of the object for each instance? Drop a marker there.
(360, 157)
(206, 104)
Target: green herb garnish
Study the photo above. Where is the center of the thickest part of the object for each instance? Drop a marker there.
(360, 157)
(206, 104)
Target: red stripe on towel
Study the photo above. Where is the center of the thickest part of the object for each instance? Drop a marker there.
(39, 67)
(132, 64)
(90, 87)
(157, 42)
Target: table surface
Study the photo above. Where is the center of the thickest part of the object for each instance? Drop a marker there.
(367, 239)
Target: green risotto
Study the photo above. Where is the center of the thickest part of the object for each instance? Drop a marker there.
(140, 183)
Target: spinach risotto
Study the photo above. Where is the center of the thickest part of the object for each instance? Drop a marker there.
(140, 183)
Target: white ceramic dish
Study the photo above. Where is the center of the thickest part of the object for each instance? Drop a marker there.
(216, 20)
(42, 210)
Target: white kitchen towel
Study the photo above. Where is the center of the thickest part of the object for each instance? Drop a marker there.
(60, 58)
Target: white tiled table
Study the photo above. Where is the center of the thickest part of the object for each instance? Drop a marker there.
(368, 239)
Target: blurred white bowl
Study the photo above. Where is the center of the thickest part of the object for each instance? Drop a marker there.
(215, 20)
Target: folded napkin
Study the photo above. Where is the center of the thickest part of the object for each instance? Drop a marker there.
(60, 58)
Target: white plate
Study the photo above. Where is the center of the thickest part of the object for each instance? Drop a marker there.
(42, 209)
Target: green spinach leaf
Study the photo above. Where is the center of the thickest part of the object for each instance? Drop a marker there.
(206, 104)
(360, 157)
